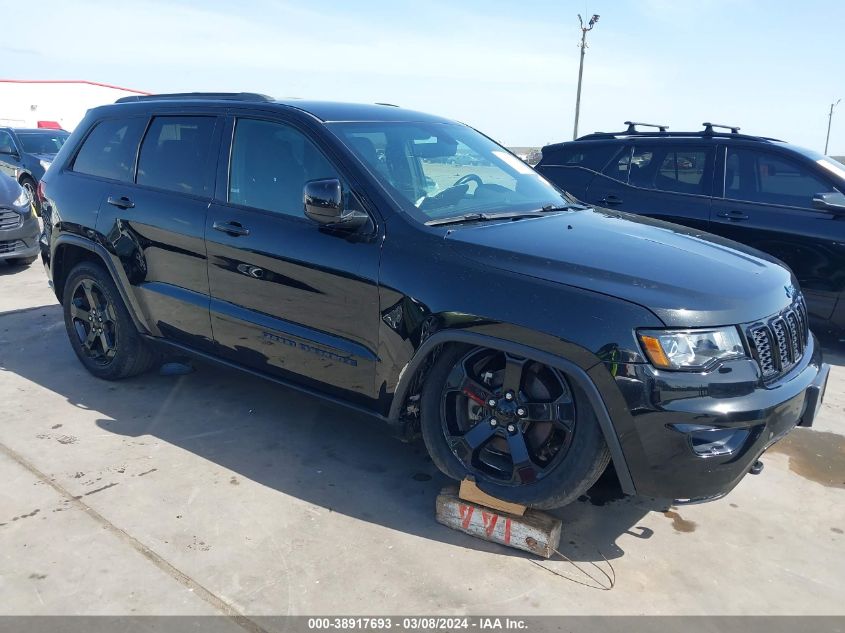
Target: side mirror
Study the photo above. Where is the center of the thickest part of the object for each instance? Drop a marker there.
(832, 201)
(9, 152)
(324, 204)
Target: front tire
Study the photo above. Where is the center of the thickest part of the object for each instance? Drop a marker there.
(32, 189)
(99, 327)
(520, 428)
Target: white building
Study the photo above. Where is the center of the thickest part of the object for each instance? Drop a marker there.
(31, 103)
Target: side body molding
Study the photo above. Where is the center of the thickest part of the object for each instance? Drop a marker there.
(572, 371)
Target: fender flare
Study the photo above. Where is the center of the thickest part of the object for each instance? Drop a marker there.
(116, 272)
(572, 371)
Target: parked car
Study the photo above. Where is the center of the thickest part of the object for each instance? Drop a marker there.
(19, 228)
(25, 154)
(776, 197)
(530, 340)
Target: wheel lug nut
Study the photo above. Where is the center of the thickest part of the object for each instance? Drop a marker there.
(493, 422)
(509, 395)
(492, 402)
(511, 428)
(520, 412)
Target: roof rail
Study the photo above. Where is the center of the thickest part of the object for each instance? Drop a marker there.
(708, 128)
(227, 96)
(632, 129)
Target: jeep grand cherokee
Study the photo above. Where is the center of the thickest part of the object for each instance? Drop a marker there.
(407, 265)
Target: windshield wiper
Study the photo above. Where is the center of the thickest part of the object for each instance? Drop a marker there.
(563, 207)
(481, 217)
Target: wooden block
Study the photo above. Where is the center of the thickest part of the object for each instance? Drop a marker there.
(534, 532)
(469, 491)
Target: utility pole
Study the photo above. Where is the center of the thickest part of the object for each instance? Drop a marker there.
(583, 46)
(829, 120)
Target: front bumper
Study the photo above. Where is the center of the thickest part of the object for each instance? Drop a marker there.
(22, 241)
(666, 441)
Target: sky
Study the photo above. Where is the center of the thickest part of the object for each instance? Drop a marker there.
(508, 68)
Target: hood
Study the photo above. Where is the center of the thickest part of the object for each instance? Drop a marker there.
(47, 157)
(686, 277)
(9, 190)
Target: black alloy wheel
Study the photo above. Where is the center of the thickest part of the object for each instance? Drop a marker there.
(94, 321)
(100, 328)
(507, 418)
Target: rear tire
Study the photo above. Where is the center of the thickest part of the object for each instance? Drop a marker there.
(559, 445)
(99, 327)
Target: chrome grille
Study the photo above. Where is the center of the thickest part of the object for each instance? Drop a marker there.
(778, 343)
(10, 219)
(763, 347)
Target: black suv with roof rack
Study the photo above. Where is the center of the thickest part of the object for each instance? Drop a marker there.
(779, 198)
(343, 250)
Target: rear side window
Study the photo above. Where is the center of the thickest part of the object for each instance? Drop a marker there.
(592, 157)
(109, 150)
(670, 168)
(763, 177)
(175, 154)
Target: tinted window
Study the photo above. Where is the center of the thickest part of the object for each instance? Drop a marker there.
(42, 142)
(7, 145)
(592, 157)
(763, 177)
(109, 151)
(271, 162)
(175, 153)
(670, 168)
(618, 167)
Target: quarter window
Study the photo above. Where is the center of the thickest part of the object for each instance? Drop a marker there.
(270, 164)
(763, 177)
(175, 154)
(110, 149)
(592, 157)
(619, 166)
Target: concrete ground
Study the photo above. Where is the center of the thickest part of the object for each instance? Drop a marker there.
(215, 493)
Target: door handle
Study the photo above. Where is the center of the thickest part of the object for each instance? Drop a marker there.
(121, 203)
(235, 229)
(733, 216)
(611, 199)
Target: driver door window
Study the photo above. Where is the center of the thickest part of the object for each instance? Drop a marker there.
(755, 176)
(270, 164)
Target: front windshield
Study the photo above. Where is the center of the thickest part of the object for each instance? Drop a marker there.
(442, 170)
(42, 142)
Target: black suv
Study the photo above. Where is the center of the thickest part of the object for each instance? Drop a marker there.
(344, 250)
(779, 198)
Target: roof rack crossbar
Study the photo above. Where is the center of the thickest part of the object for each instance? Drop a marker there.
(708, 127)
(229, 96)
(632, 126)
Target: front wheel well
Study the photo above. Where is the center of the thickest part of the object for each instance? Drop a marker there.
(404, 411)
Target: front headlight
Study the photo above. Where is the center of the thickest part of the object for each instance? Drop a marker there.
(22, 200)
(45, 164)
(691, 349)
